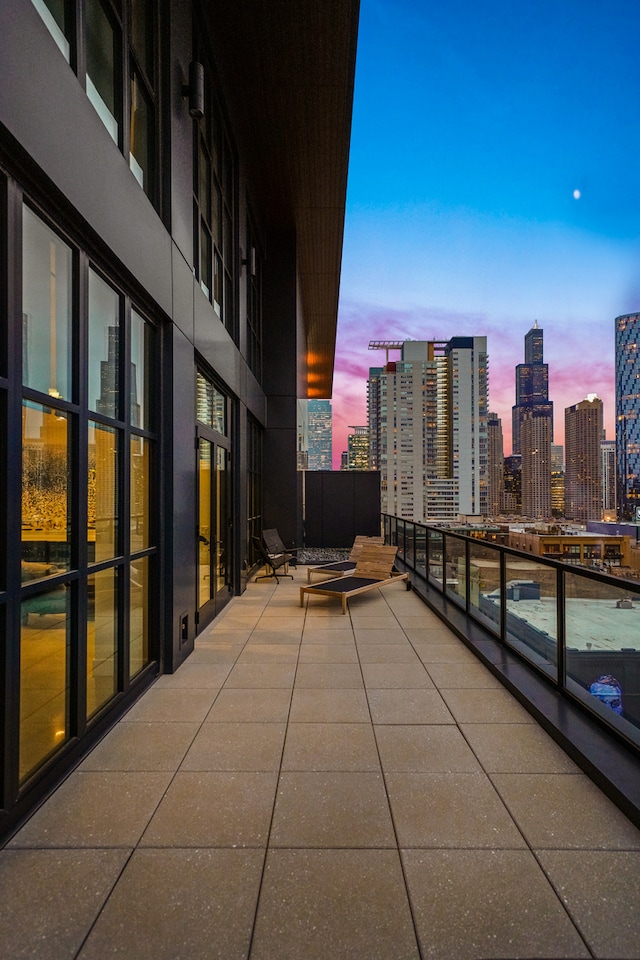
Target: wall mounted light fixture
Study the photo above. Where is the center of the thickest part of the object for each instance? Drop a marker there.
(194, 90)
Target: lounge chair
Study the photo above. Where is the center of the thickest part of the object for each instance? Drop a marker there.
(341, 568)
(275, 546)
(374, 569)
(273, 562)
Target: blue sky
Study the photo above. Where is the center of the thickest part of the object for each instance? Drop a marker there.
(473, 126)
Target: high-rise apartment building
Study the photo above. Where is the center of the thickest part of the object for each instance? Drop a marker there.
(320, 435)
(512, 493)
(496, 464)
(535, 446)
(358, 448)
(428, 429)
(557, 480)
(608, 454)
(583, 460)
(627, 360)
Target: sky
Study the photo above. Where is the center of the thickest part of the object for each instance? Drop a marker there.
(494, 180)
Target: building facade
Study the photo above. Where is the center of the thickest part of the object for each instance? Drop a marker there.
(627, 364)
(358, 448)
(532, 385)
(608, 455)
(535, 444)
(171, 232)
(583, 428)
(428, 429)
(320, 434)
(496, 464)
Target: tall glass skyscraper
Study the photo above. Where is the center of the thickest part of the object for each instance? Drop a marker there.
(532, 426)
(628, 415)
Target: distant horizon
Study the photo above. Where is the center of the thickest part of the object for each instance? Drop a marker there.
(491, 185)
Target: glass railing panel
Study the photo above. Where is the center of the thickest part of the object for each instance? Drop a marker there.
(410, 545)
(532, 611)
(421, 551)
(484, 584)
(602, 630)
(400, 540)
(456, 569)
(435, 545)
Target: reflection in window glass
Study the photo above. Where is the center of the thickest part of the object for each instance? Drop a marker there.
(46, 309)
(205, 260)
(104, 347)
(140, 512)
(140, 136)
(102, 639)
(141, 346)
(101, 65)
(211, 405)
(45, 492)
(44, 676)
(139, 616)
(142, 33)
(54, 14)
(102, 515)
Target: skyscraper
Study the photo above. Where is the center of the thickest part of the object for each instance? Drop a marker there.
(608, 453)
(358, 449)
(532, 426)
(628, 416)
(428, 428)
(320, 434)
(532, 384)
(583, 466)
(496, 464)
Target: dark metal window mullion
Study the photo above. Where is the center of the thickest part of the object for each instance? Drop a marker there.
(125, 498)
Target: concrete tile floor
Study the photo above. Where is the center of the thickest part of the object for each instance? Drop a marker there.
(310, 786)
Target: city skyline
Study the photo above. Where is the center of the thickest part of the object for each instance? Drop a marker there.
(492, 185)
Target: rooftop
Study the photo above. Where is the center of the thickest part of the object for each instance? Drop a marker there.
(312, 785)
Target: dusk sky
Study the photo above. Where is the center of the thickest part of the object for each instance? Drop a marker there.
(493, 181)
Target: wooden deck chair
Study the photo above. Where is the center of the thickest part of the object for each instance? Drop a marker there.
(374, 569)
(341, 568)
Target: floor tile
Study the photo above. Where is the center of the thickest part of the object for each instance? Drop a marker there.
(192, 675)
(214, 810)
(388, 653)
(337, 904)
(485, 706)
(172, 704)
(449, 810)
(217, 653)
(459, 675)
(50, 899)
(331, 809)
(142, 746)
(373, 634)
(486, 903)
(95, 810)
(418, 748)
(328, 653)
(236, 746)
(565, 811)
(601, 891)
(396, 676)
(269, 653)
(265, 675)
(443, 652)
(516, 748)
(330, 746)
(180, 905)
(329, 706)
(251, 705)
(413, 706)
(336, 676)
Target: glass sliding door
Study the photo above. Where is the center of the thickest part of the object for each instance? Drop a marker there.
(213, 543)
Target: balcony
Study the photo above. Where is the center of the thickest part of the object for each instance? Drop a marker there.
(316, 785)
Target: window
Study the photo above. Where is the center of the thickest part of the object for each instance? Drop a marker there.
(118, 42)
(214, 212)
(88, 540)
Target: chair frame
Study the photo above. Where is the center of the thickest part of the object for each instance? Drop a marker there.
(374, 569)
(271, 561)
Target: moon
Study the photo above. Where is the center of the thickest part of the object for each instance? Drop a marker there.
(576, 194)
